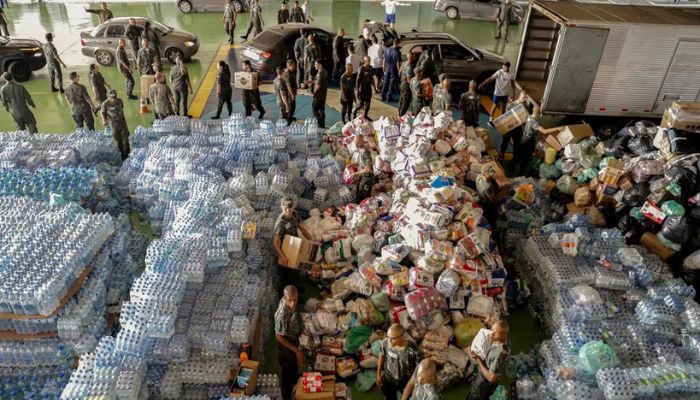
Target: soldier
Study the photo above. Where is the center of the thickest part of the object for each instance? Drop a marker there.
(133, 34)
(112, 111)
(365, 80)
(256, 20)
(223, 89)
(469, 104)
(397, 361)
(503, 19)
(442, 99)
(287, 331)
(318, 105)
(99, 86)
(251, 97)
(229, 19)
(153, 40)
(291, 78)
(491, 367)
(283, 95)
(15, 98)
(103, 13)
(124, 66)
(419, 97)
(180, 81)
(53, 62)
(405, 95)
(299, 46)
(340, 53)
(297, 14)
(283, 14)
(146, 58)
(347, 93)
(80, 103)
(311, 54)
(161, 97)
(423, 383)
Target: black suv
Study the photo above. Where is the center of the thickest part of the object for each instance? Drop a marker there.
(20, 57)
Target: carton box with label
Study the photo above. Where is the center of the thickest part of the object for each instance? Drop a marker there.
(510, 120)
(302, 253)
(326, 391)
(612, 172)
(683, 115)
(245, 80)
(574, 134)
(246, 379)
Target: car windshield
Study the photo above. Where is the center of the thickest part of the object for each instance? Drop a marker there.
(473, 50)
(160, 27)
(4, 40)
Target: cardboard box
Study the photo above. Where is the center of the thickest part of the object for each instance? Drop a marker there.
(249, 370)
(511, 120)
(245, 80)
(146, 82)
(682, 115)
(582, 197)
(625, 183)
(574, 134)
(603, 198)
(302, 253)
(653, 244)
(612, 172)
(328, 392)
(551, 141)
(574, 209)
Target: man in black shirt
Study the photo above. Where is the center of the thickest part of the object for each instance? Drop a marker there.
(291, 78)
(364, 87)
(251, 97)
(340, 53)
(319, 99)
(347, 93)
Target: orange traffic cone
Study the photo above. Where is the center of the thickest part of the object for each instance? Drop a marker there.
(144, 107)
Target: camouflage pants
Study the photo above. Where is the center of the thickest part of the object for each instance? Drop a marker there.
(23, 125)
(120, 133)
(55, 74)
(481, 389)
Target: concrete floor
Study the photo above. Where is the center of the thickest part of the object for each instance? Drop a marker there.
(66, 21)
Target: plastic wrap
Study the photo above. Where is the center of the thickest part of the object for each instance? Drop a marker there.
(448, 282)
(422, 301)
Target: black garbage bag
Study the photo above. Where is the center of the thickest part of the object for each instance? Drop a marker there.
(648, 225)
(617, 145)
(608, 212)
(676, 229)
(636, 195)
(632, 228)
(641, 145)
(693, 213)
(685, 178)
(561, 197)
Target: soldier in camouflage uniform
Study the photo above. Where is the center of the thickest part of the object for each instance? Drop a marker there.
(53, 62)
(423, 383)
(299, 46)
(469, 104)
(80, 103)
(103, 13)
(282, 93)
(124, 66)
(491, 368)
(112, 111)
(153, 39)
(287, 331)
(15, 98)
(256, 20)
(229, 19)
(133, 34)
(146, 58)
(397, 361)
(161, 97)
(419, 98)
(442, 99)
(311, 54)
(318, 105)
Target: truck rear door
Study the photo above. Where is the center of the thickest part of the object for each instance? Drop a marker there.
(682, 81)
(573, 70)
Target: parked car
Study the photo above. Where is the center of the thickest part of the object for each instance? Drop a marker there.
(20, 57)
(275, 45)
(190, 6)
(102, 41)
(452, 56)
(476, 9)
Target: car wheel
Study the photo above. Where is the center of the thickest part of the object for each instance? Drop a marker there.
(185, 6)
(173, 54)
(20, 71)
(238, 6)
(104, 57)
(452, 13)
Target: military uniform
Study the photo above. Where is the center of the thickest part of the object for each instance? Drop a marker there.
(363, 187)
(99, 86)
(229, 21)
(146, 58)
(441, 99)
(282, 17)
(153, 41)
(287, 324)
(78, 97)
(365, 80)
(297, 15)
(223, 80)
(102, 15)
(55, 72)
(3, 24)
(318, 105)
(255, 20)
(427, 63)
(503, 19)
(340, 53)
(424, 391)
(282, 92)
(311, 54)
(405, 96)
(495, 361)
(180, 78)
(251, 97)
(124, 66)
(293, 87)
(347, 96)
(399, 365)
(16, 99)
(299, 46)
(469, 104)
(416, 89)
(133, 36)
(113, 113)
(159, 94)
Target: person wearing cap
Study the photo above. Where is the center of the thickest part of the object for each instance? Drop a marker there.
(16, 100)
(80, 103)
(103, 13)
(112, 111)
(492, 366)
(397, 361)
(423, 383)
(53, 62)
(287, 331)
(442, 99)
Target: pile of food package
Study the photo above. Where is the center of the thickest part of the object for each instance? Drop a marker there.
(420, 255)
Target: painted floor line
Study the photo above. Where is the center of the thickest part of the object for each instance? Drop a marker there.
(200, 98)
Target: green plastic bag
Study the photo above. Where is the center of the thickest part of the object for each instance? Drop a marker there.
(597, 355)
(381, 302)
(500, 393)
(466, 330)
(586, 175)
(376, 318)
(377, 347)
(672, 209)
(366, 380)
(356, 337)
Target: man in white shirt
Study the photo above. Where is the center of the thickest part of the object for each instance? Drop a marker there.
(375, 52)
(390, 11)
(353, 59)
(504, 89)
(306, 9)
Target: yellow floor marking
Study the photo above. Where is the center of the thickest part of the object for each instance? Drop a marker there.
(200, 98)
